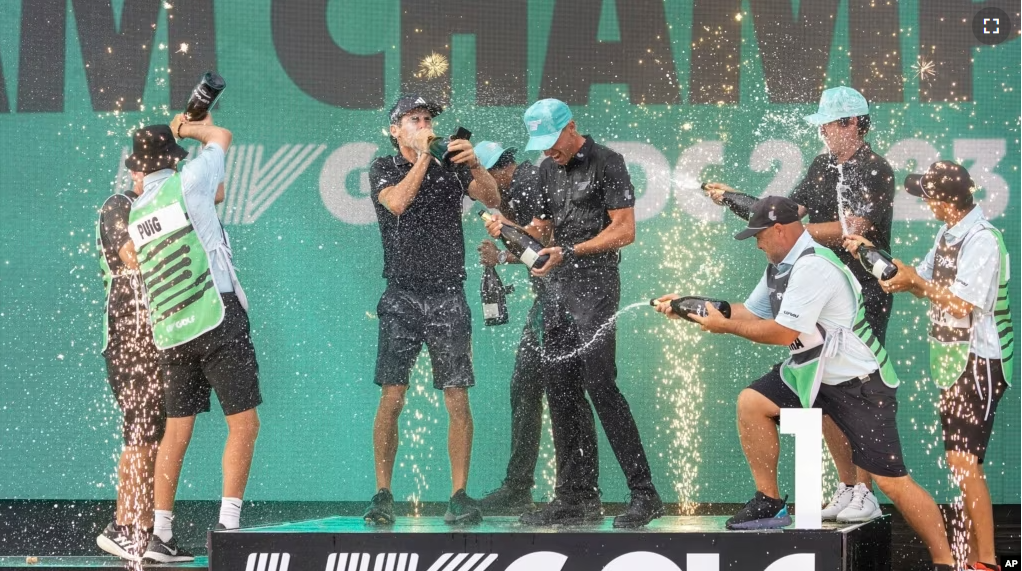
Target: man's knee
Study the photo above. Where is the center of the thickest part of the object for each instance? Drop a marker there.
(245, 424)
(392, 399)
(753, 404)
(894, 486)
(456, 400)
(963, 463)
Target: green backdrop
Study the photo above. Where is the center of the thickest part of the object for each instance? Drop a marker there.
(686, 90)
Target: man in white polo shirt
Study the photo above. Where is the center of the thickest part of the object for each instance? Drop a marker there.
(809, 301)
(965, 277)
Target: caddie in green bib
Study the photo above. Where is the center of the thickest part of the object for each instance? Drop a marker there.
(802, 371)
(951, 338)
(183, 299)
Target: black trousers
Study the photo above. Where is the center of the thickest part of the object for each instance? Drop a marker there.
(527, 387)
(580, 322)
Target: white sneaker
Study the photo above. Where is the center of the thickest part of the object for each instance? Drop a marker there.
(839, 501)
(863, 507)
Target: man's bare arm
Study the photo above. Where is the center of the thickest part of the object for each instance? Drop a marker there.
(399, 197)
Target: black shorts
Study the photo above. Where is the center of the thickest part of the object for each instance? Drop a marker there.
(865, 411)
(134, 375)
(223, 360)
(441, 320)
(967, 407)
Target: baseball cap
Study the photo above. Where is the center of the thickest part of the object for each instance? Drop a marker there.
(408, 103)
(769, 211)
(838, 103)
(544, 120)
(945, 181)
(490, 154)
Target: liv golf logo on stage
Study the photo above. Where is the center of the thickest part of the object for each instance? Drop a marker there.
(537, 561)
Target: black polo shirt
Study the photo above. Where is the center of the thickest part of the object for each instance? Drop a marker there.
(522, 201)
(578, 195)
(424, 248)
(868, 193)
(113, 235)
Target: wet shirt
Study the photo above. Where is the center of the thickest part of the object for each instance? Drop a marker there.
(113, 233)
(867, 191)
(522, 201)
(577, 196)
(817, 292)
(424, 248)
(977, 279)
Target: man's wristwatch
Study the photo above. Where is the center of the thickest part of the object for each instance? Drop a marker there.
(502, 257)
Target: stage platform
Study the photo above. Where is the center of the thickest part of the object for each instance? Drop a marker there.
(90, 563)
(689, 543)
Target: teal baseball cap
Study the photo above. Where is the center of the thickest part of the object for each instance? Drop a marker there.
(838, 103)
(544, 121)
(489, 153)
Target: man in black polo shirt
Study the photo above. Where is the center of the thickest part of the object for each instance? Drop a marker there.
(132, 372)
(589, 209)
(418, 204)
(847, 190)
(520, 202)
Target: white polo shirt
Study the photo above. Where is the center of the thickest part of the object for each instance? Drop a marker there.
(979, 270)
(818, 293)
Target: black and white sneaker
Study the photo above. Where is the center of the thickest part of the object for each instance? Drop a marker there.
(166, 551)
(463, 509)
(118, 540)
(761, 512)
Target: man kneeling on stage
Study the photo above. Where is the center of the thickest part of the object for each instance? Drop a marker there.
(809, 301)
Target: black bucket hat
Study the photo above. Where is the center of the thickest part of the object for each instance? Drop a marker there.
(153, 149)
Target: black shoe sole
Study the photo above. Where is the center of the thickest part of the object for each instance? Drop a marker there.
(161, 558)
(378, 519)
(634, 524)
(765, 523)
(470, 518)
(108, 545)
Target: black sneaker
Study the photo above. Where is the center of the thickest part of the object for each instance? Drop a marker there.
(761, 512)
(507, 501)
(166, 551)
(381, 509)
(565, 512)
(642, 509)
(120, 541)
(463, 509)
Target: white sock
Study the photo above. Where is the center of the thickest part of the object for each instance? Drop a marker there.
(230, 512)
(162, 524)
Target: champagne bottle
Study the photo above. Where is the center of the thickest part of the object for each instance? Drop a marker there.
(204, 96)
(685, 306)
(438, 145)
(877, 262)
(494, 296)
(739, 202)
(523, 246)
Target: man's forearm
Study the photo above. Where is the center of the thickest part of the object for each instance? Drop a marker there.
(397, 198)
(483, 188)
(826, 233)
(764, 331)
(942, 298)
(613, 237)
(206, 134)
